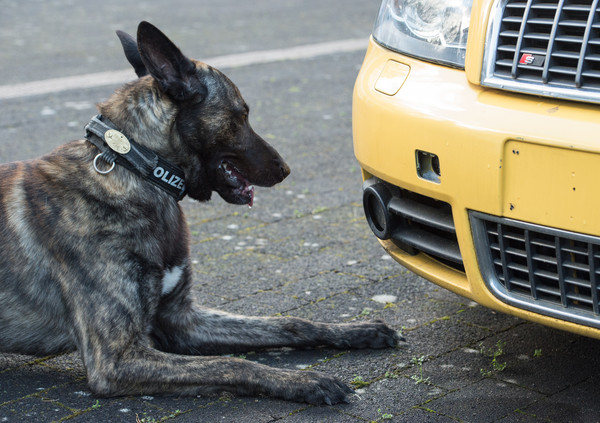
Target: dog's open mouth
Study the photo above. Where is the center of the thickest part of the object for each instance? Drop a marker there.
(240, 188)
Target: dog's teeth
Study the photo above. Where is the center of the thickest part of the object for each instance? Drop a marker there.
(251, 190)
(226, 169)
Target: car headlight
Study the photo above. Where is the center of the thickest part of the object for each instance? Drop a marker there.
(434, 30)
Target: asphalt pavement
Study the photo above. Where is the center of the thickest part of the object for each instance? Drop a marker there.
(304, 249)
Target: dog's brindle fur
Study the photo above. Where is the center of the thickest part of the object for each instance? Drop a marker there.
(101, 263)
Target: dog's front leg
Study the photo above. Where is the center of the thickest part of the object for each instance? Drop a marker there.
(112, 319)
(185, 328)
(143, 370)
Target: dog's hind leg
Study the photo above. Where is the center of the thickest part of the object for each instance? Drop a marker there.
(186, 328)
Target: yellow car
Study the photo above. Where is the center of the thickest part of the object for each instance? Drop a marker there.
(477, 128)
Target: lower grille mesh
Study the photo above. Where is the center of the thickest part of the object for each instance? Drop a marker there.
(414, 222)
(426, 225)
(552, 270)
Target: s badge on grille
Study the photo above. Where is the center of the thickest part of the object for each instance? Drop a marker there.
(532, 60)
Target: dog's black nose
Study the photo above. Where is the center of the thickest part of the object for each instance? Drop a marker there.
(285, 170)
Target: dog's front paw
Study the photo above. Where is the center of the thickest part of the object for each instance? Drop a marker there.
(315, 388)
(375, 334)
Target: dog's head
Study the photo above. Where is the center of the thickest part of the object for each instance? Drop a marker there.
(210, 137)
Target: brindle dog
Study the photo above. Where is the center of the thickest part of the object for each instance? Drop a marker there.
(100, 263)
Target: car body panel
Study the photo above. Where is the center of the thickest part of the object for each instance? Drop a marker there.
(511, 155)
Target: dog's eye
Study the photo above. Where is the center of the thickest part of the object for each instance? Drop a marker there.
(243, 113)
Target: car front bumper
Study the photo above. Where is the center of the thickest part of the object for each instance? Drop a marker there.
(495, 161)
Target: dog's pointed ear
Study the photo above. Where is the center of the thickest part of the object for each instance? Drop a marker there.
(175, 73)
(132, 54)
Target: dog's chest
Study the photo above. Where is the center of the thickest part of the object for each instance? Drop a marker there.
(171, 278)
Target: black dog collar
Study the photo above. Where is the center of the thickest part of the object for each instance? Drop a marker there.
(116, 147)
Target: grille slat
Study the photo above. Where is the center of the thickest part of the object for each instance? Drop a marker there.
(551, 271)
(435, 217)
(593, 259)
(504, 63)
(579, 299)
(428, 243)
(563, 70)
(549, 48)
(510, 34)
(544, 259)
(540, 21)
(519, 268)
(546, 275)
(516, 252)
(549, 291)
(519, 283)
(565, 54)
(576, 266)
(425, 225)
(577, 8)
(569, 39)
(513, 19)
(574, 24)
(534, 50)
(573, 249)
(578, 282)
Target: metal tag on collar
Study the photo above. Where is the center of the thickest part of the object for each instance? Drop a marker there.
(117, 141)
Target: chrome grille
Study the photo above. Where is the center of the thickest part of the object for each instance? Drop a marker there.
(546, 270)
(545, 47)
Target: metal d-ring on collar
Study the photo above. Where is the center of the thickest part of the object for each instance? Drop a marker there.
(116, 148)
(103, 172)
(118, 143)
